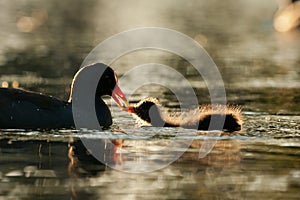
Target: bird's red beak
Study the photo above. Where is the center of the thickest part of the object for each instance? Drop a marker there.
(119, 97)
(130, 109)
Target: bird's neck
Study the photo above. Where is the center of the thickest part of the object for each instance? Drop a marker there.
(103, 112)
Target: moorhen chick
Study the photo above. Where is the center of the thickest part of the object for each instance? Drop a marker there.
(150, 111)
(20, 109)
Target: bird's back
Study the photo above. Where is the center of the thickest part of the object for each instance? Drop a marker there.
(20, 109)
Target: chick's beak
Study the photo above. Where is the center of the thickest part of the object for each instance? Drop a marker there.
(119, 97)
(130, 109)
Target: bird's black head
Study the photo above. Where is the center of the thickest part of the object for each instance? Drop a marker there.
(107, 84)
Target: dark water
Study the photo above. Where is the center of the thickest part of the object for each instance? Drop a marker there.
(44, 43)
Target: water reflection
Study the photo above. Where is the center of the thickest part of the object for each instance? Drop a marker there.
(84, 162)
(62, 169)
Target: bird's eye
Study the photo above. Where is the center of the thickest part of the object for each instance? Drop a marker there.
(107, 78)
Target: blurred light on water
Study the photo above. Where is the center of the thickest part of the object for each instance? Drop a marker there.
(15, 84)
(287, 17)
(4, 84)
(28, 24)
(202, 39)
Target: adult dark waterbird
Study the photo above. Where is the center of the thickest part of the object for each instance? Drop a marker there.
(20, 109)
(150, 111)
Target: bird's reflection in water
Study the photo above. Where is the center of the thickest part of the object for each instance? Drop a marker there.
(85, 168)
(84, 162)
(85, 177)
